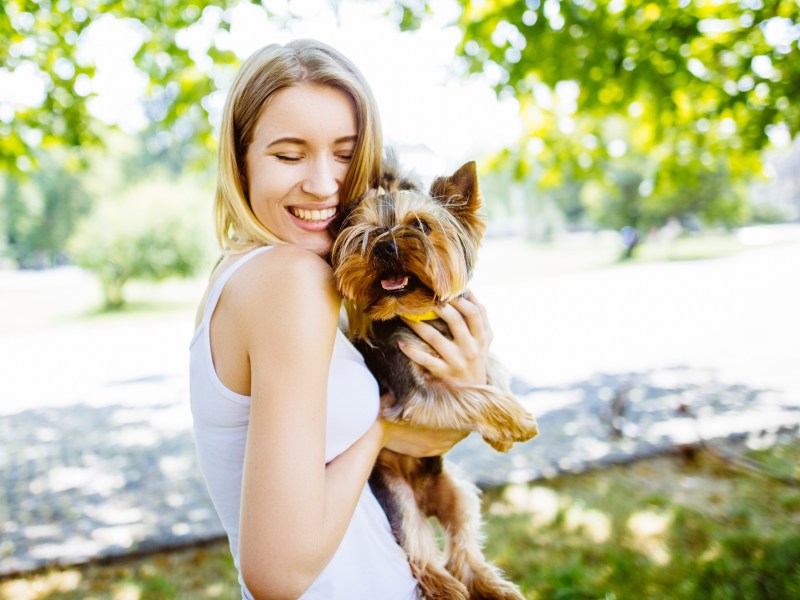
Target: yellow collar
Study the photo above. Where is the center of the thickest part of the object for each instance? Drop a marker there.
(428, 316)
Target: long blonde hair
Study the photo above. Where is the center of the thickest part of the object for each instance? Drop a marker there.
(265, 72)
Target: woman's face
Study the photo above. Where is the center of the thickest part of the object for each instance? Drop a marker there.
(296, 165)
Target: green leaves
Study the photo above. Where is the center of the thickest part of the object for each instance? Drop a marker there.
(52, 111)
(687, 90)
(151, 231)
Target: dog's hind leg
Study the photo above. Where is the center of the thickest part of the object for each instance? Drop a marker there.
(456, 504)
(413, 530)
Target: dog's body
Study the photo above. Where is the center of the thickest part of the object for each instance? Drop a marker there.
(401, 251)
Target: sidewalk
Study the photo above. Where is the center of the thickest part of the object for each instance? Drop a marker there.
(98, 458)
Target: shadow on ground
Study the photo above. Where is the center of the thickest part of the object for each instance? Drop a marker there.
(613, 418)
(83, 482)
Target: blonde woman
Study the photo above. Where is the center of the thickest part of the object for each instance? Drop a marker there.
(285, 411)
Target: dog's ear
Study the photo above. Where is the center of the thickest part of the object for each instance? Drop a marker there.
(460, 194)
(460, 190)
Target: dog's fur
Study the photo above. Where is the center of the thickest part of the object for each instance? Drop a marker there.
(403, 251)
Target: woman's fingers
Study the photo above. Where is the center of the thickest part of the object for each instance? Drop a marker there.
(469, 320)
(426, 360)
(430, 335)
(462, 358)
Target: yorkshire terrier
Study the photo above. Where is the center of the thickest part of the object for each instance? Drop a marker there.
(403, 252)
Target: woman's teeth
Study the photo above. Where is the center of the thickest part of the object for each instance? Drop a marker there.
(313, 215)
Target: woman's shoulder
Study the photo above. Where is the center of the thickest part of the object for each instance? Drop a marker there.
(291, 263)
(283, 273)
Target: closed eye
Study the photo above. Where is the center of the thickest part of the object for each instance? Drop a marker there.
(422, 225)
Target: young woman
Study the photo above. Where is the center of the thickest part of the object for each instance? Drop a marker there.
(286, 414)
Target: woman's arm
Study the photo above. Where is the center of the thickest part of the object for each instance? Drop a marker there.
(294, 510)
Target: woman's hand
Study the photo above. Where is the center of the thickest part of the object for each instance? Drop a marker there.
(417, 441)
(462, 359)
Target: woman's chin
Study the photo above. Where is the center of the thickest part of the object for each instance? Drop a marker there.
(319, 243)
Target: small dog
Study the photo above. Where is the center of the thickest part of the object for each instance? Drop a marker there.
(401, 251)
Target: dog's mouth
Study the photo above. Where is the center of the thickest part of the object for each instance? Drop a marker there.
(396, 284)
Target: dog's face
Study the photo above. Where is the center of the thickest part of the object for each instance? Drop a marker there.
(403, 251)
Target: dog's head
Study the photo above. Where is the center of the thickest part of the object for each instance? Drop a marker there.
(403, 251)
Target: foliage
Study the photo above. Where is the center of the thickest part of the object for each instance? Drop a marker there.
(152, 231)
(692, 89)
(43, 39)
(38, 215)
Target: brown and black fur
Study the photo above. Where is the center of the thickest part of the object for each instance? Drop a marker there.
(423, 247)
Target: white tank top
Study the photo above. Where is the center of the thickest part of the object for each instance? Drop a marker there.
(369, 564)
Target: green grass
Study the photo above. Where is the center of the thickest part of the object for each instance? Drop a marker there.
(665, 528)
(659, 529)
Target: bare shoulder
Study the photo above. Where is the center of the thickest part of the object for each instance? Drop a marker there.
(286, 279)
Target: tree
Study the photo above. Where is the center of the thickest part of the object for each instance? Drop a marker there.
(697, 87)
(46, 141)
(38, 215)
(150, 231)
(42, 38)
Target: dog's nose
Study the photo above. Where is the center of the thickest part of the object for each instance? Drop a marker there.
(386, 249)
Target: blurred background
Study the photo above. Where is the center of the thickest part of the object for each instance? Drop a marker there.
(641, 175)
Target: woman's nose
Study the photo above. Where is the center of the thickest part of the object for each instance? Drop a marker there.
(321, 180)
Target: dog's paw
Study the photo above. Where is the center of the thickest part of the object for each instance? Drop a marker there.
(508, 592)
(499, 444)
(527, 428)
(441, 586)
(488, 584)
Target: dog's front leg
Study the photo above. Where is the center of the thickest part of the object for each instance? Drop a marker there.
(494, 413)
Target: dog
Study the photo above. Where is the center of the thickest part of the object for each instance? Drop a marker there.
(402, 251)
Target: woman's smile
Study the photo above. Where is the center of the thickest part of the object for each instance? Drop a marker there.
(312, 219)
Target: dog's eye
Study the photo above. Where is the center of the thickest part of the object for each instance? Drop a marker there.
(421, 225)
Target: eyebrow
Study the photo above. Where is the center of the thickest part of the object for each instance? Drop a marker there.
(299, 141)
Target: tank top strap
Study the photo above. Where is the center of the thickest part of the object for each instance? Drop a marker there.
(219, 284)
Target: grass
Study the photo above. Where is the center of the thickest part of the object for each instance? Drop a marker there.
(659, 529)
(666, 528)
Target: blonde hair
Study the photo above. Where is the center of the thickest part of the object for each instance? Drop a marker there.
(267, 71)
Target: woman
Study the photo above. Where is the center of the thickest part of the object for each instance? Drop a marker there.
(285, 411)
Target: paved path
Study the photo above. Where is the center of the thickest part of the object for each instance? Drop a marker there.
(97, 456)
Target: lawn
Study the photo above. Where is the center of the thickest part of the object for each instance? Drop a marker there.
(674, 527)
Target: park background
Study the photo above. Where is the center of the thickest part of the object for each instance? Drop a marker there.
(672, 120)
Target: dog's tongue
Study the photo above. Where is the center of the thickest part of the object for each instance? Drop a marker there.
(394, 283)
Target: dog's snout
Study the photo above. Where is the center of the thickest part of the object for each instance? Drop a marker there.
(386, 249)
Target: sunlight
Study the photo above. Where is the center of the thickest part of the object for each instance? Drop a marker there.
(41, 586)
(127, 591)
(592, 522)
(648, 529)
(540, 502)
(215, 590)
